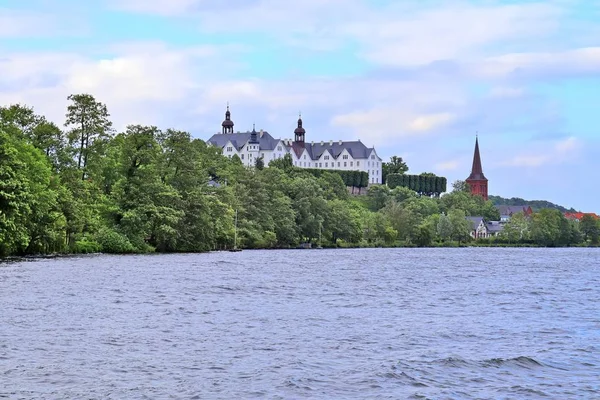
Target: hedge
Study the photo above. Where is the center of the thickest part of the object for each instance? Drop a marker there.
(422, 184)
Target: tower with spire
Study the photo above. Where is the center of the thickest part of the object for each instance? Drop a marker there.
(477, 180)
(227, 123)
(299, 132)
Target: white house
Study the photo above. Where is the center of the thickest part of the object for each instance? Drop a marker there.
(333, 155)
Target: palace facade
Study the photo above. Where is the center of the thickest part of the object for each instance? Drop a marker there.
(332, 155)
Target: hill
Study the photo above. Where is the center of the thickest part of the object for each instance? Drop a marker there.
(536, 205)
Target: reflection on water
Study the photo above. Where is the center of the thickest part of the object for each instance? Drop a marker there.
(370, 323)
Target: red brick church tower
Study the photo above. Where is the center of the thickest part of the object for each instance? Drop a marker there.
(477, 181)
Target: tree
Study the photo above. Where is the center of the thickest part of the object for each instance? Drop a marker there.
(20, 116)
(285, 163)
(395, 166)
(444, 228)
(590, 227)
(547, 228)
(89, 123)
(461, 186)
(516, 229)
(259, 164)
(461, 227)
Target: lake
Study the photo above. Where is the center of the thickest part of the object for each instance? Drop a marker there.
(475, 323)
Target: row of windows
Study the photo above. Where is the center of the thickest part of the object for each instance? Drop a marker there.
(327, 164)
(344, 157)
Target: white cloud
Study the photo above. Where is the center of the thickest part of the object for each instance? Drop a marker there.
(19, 24)
(425, 123)
(160, 7)
(451, 165)
(135, 83)
(504, 92)
(530, 65)
(560, 152)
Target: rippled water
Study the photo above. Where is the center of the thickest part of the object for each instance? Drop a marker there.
(377, 323)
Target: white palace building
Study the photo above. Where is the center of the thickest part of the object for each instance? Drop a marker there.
(334, 155)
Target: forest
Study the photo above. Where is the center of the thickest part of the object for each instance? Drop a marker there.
(84, 188)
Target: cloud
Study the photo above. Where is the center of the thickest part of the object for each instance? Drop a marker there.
(533, 65)
(503, 92)
(136, 82)
(560, 152)
(447, 166)
(160, 7)
(17, 24)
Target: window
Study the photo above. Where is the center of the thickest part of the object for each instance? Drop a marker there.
(320, 165)
(242, 156)
(326, 166)
(278, 148)
(327, 157)
(345, 157)
(372, 157)
(229, 148)
(358, 163)
(305, 156)
(345, 163)
(339, 163)
(368, 163)
(351, 163)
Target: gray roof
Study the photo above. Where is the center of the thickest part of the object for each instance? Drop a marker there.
(494, 227)
(475, 221)
(510, 210)
(356, 149)
(266, 141)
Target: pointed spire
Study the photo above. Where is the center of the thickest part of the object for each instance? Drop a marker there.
(477, 170)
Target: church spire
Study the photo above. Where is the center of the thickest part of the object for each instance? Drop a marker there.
(477, 170)
(477, 180)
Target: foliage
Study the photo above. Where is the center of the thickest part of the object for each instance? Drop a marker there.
(424, 184)
(350, 178)
(536, 205)
(85, 190)
(396, 165)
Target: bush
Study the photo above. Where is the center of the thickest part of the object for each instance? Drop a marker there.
(114, 242)
(86, 246)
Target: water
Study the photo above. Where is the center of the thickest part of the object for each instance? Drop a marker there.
(343, 324)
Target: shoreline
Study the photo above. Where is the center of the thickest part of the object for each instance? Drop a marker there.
(36, 257)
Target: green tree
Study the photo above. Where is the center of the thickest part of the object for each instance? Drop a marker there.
(461, 186)
(259, 164)
(444, 228)
(396, 165)
(461, 227)
(516, 229)
(590, 227)
(90, 126)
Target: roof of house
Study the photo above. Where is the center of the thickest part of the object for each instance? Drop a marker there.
(510, 210)
(238, 140)
(356, 149)
(475, 221)
(579, 215)
(494, 227)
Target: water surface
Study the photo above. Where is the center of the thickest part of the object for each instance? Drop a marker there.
(344, 324)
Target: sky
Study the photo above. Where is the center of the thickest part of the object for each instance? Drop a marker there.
(417, 79)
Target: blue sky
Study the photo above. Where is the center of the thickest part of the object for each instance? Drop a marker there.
(416, 79)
